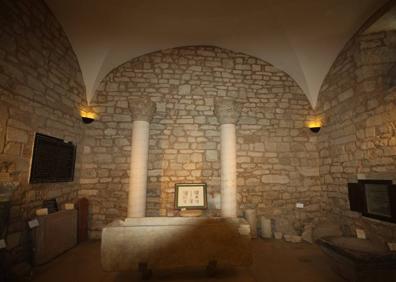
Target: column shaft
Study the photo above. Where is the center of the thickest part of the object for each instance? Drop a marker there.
(228, 171)
(138, 169)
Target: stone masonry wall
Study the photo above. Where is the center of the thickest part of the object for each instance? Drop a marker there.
(277, 160)
(41, 90)
(358, 139)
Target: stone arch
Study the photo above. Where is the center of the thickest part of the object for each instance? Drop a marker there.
(185, 49)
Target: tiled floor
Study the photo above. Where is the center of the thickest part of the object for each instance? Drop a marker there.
(274, 261)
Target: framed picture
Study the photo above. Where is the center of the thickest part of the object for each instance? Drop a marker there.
(191, 196)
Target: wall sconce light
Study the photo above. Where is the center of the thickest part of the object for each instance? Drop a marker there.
(315, 129)
(87, 117)
(314, 125)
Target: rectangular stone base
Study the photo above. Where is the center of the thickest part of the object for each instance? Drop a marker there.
(359, 265)
(167, 242)
(56, 233)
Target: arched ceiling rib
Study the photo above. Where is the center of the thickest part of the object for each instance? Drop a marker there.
(300, 37)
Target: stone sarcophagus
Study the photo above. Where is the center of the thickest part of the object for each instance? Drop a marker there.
(167, 242)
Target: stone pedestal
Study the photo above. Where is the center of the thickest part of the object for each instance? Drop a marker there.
(228, 112)
(142, 112)
(251, 217)
(266, 227)
(56, 233)
(171, 242)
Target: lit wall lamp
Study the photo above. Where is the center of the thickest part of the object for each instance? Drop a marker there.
(315, 129)
(314, 125)
(88, 116)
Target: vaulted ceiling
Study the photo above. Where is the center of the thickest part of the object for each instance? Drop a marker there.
(300, 37)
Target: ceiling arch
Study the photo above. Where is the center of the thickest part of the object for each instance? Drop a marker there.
(301, 37)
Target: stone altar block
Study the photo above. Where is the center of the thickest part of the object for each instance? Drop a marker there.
(56, 233)
(168, 242)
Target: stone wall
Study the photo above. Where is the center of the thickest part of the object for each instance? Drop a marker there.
(358, 139)
(41, 90)
(277, 160)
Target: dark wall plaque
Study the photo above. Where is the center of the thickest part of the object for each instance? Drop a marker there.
(53, 160)
(373, 198)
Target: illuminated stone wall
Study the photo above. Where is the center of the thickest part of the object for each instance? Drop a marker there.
(41, 90)
(358, 139)
(277, 160)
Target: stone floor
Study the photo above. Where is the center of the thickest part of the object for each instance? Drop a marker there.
(274, 261)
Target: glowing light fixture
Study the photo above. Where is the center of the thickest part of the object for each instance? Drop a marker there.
(87, 116)
(314, 125)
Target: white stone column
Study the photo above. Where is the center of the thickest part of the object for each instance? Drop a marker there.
(142, 112)
(228, 112)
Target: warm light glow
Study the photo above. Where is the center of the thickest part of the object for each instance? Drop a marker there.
(314, 123)
(88, 114)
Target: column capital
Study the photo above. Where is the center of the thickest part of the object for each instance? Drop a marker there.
(227, 110)
(142, 109)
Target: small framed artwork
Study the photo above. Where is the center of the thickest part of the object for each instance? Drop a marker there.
(191, 196)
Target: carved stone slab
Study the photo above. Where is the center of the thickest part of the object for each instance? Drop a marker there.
(168, 242)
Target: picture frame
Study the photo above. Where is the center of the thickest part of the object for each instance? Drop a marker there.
(191, 196)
